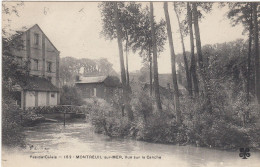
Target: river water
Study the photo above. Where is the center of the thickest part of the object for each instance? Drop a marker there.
(76, 144)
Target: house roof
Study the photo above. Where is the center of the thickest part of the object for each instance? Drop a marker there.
(23, 29)
(97, 79)
(35, 83)
(111, 81)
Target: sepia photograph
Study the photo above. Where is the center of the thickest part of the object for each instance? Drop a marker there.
(130, 83)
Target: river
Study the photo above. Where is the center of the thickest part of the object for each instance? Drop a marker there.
(76, 144)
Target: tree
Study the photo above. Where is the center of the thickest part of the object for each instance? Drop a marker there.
(13, 71)
(144, 73)
(203, 71)
(119, 42)
(126, 59)
(155, 64)
(193, 66)
(181, 29)
(128, 19)
(8, 11)
(113, 27)
(243, 13)
(256, 41)
(142, 41)
(249, 55)
(174, 76)
(70, 96)
(106, 68)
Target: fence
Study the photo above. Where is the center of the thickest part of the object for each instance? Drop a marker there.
(68, 109)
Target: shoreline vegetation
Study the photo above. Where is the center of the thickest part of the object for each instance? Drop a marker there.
(201, 129)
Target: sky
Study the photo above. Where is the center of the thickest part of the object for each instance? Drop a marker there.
(74, 28)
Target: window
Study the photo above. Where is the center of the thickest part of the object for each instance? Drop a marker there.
(52, 95)
(49, 66)
(36, 39)
(36, 64)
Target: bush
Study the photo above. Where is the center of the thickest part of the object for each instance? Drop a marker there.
(223, 127)
(153, 126)
(106, 119)
(70, 96)
(11, 125)
(142, 105)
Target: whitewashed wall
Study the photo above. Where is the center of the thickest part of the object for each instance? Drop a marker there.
(42, 99)
(53, 100)
(30, 99)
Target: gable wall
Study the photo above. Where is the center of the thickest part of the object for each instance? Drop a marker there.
(44, 52)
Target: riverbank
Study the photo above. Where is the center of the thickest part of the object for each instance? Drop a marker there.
(199, 127)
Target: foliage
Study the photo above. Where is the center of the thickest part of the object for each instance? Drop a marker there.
(70, 96)
(224, 127)
(227, 64)
(129, 18)
(240, 13)
(135, 27)
(71, 67)
(9, 10)
(11, 125)
(142, 39)
(12, 71)
(144, 73)
(101, 117)
(142, 105)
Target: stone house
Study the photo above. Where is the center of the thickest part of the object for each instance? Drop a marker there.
(104, 87)
(41, 87)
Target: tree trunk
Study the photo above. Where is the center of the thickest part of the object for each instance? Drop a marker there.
(188, 76)
(193, 65)
(122, 66)
(256, 41)
(203, 72)
(120, 47)
(151, 71)
(249, 57)
(155, 64)
(126, 57)
(174, 76)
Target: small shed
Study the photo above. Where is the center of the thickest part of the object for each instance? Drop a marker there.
(34, 91)
(98, 86)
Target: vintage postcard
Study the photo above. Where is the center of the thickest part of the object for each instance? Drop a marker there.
(130, 83)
